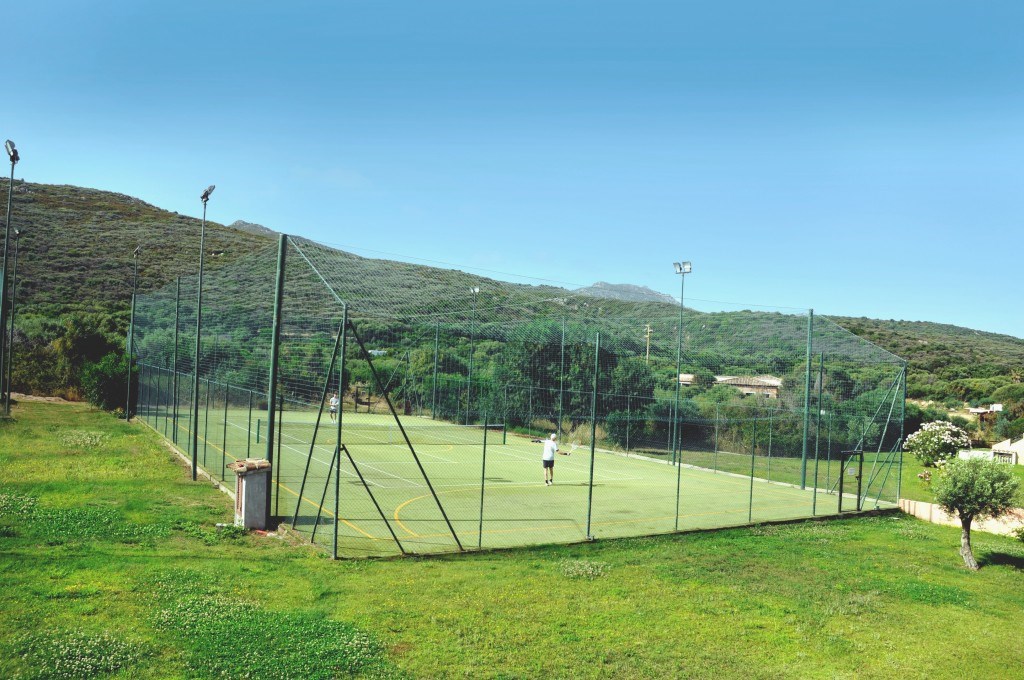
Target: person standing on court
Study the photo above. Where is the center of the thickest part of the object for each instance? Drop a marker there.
(550, 449)
(334, 407)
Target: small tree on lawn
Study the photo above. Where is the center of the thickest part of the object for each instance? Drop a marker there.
(937, 441)
(972, 489)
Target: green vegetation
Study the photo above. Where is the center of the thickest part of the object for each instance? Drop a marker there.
(937, 442)
(173, 596)
(75, 288)
(975, 489)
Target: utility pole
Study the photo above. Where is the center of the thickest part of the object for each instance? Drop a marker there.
(648, 359)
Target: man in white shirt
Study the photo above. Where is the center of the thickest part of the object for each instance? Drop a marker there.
(550, 449)
(334, 406)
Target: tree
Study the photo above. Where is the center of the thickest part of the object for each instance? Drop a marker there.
(937, 441)
(975, 488)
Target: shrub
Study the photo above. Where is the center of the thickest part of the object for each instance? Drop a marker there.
(937, 441)
(104, 381)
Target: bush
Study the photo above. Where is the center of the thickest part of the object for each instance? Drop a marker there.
(937, 441)
(104, 381)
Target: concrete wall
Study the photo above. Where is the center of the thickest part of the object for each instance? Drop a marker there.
(931, 512)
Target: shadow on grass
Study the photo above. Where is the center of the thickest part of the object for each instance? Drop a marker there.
(1004, 559)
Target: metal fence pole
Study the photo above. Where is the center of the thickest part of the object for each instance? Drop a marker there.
(715, 465)
(561, 382)
(275, 343)
(206, 421)
(131, 338)
(248, 428)
(807, 400)
(828, 452)
(433, 401)
(174, 364)
(341, 410)
(817, 433)
(195, 365)
(753, 458)
(277, 459)
(629, 420)
(224, 439)
(593, 432)
(903, 418)
(483, 476)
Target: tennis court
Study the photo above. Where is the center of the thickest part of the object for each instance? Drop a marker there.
(483, 494)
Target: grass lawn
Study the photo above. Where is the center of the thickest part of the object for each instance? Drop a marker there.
(112, 564)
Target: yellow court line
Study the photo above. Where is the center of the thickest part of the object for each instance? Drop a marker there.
(427, 495)
(283, 486)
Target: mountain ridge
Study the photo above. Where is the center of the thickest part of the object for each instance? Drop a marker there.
(76, 257)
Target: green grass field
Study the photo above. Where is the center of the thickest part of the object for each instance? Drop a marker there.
(113, 567)
(632, 495)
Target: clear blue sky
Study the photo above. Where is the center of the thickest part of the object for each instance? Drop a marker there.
(862, 158)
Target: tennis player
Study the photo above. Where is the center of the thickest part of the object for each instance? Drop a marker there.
(550, 449)
(334, 407)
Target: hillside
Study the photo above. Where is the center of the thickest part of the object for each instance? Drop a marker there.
(76, 254)
(76, 257)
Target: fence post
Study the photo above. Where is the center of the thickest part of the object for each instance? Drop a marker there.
(561, 382)
(224, 446)
(753, 457)
(629, 419)
(593, 432)
(206, 421)
(903, 416)
(433, 400)
(817, 433)
(341, 409)
(275, 341)
(483, 474)
(177, 305)
(716, 439)
(195, 363)
(277, 459)
(828, 451)
(248, 428)
(807, 401)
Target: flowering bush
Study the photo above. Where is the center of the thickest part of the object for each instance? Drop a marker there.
(937, 441)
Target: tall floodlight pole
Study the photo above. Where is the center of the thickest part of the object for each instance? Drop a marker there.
(18, 233)
(682, 268)
(475, 290)
(131, 335)
(12, 152)
(199, 327)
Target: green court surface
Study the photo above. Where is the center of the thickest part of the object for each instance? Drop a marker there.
(495, 497)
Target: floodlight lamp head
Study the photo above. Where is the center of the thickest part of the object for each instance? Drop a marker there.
(474, 290)
(12, 151)
(138, 250)
(682, 267)
(206, 194)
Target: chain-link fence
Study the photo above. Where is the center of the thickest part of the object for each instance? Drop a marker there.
(406, 408)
